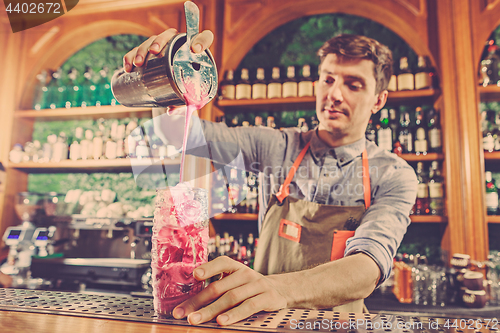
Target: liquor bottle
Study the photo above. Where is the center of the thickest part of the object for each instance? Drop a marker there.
(302, 125)
(40, 95)
(405, 136)
(53, 89)
(274, 86)
(88, 88)
(393, 123)
(227, 86)
(110, 148)
(60, 150)
(423, 75)
(258, 121)
(270, 122)
(290, 86)
(120, 141)
(405, 76)
(233, 190)
(491, 194)
(243, 87)
(384, 133)
(306, 87)
(371, 132)
(436, 197)
(74, 92)
(490, 65)
(420, 132)
(259, 86)
(422, 203)
(488, 132)
(393, 83)
(75, 150)
(103, 88)
(314, 122)
(87, 146)
(97, 143)
(434, 132)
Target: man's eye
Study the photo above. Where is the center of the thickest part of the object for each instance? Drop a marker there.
(355, 87)
(329, 81)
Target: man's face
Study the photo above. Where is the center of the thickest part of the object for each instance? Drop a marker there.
(346, 98)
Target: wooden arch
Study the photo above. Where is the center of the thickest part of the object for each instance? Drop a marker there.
(247, 21)
(486, 18)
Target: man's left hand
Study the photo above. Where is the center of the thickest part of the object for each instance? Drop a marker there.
(240, 293)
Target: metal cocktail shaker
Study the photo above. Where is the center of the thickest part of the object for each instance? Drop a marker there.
(160, 82)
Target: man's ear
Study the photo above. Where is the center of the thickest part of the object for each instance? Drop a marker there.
(381, 98)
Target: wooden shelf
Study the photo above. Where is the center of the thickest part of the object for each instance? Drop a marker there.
(493, 219)
(297, 103)
(492, 156)
(236, 216)
(422, 157)
(428, 219)
(93, 112)
(489, 93)
(89, 166)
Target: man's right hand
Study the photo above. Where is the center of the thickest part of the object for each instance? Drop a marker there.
(156, 43)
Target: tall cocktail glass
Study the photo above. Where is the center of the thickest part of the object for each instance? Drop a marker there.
(180, 238)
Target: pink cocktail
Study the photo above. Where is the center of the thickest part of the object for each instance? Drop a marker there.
(180, 238)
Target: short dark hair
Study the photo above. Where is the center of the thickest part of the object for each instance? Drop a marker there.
(362, 47)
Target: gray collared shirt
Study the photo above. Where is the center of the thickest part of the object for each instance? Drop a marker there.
(326, 175)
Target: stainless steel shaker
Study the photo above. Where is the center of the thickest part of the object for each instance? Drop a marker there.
(160, 82)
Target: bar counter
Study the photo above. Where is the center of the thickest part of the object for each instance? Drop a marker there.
(67, 312)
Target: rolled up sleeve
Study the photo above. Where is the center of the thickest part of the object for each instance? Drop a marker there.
(385, 222)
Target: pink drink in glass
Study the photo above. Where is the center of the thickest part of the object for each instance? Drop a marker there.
(180, 238)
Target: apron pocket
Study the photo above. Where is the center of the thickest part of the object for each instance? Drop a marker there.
(338, 246)
(290, 230)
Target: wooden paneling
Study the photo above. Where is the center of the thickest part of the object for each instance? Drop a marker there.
(467, 230)
(247, 21)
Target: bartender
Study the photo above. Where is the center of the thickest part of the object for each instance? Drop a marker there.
(336, 206)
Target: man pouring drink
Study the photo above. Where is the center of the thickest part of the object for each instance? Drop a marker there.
(336, 206)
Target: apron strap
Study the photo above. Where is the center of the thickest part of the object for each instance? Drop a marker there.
(366, 180)
(285, 191)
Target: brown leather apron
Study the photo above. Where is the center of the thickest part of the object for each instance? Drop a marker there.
(298, 234)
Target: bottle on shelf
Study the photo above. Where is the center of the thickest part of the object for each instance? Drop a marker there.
(74, 96)
(302, 125)
(434, 132)
(274, 87)
(489, 132)
(97, 144)
(371, 131)
(87, 146)
(290, 86)
(259, 86)
(75, 150)
(393, 123)
(421, 144)
(423, 75)
(88, 88)
(270, 122)
(405, 136)
(490, 65)
(422, 202)
(227, 86)
(314, 122)
(41, 91)
(405, 76)
(306, 86)
(258, 121)
(60, 148)
(393, 83)
(436, 190)
(491, 194)
(234, 189)
(53, 90)
(243, 87)
(384, 133)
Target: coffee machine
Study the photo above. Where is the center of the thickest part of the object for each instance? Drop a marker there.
(24, 240)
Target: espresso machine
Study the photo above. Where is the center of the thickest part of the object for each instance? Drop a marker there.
(24, 240)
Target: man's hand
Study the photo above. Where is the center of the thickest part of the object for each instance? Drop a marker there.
(155, 44)
(239, 294)
(5, 280)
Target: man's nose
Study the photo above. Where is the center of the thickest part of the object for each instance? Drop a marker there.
(335, 93)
